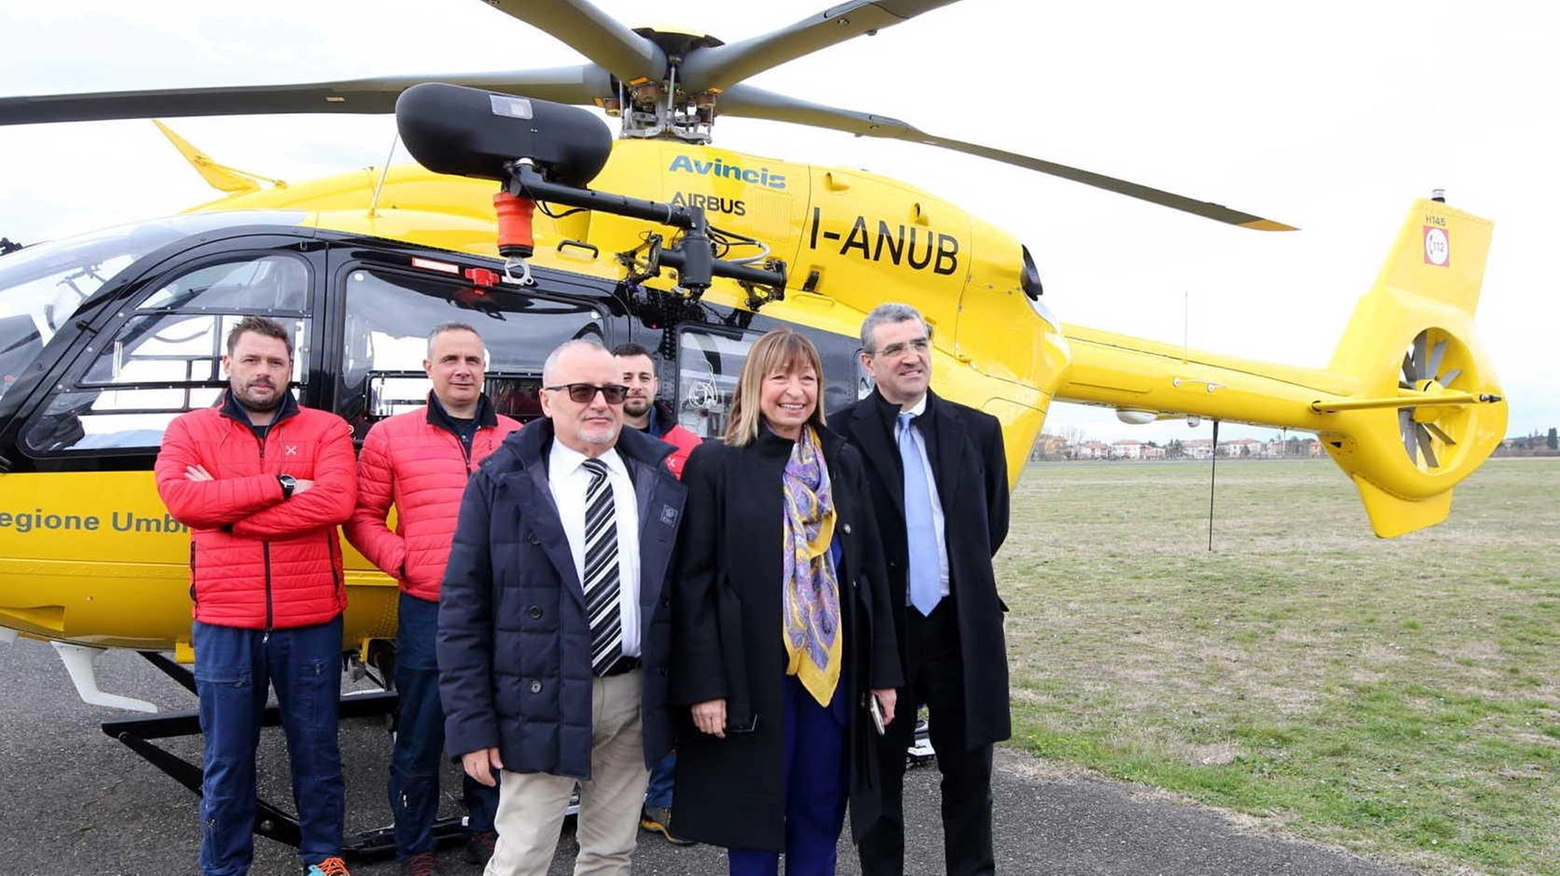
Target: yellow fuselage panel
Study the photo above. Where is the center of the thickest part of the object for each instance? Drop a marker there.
(94, 557)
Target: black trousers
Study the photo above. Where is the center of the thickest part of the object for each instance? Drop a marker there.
(934, 677)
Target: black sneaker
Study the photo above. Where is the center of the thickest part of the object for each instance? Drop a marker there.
(659, 819)
(420, 864)
(479, 847)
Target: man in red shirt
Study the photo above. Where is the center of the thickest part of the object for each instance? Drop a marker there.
(262, 483)
(419, 462)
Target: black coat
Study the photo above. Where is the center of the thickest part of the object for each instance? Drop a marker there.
(727, 608)
(965, 449)
(514, 643)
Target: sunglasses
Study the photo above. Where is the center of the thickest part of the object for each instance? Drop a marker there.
(584, 393)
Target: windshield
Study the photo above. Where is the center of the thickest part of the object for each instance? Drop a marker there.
(42, 285)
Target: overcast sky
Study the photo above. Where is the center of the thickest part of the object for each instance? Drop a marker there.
(1331, 116)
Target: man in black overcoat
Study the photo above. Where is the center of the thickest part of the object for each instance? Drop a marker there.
(941, 521)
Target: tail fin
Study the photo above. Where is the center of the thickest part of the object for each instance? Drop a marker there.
(1428, 409)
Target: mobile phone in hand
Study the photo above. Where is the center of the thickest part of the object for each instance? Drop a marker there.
(876, 711)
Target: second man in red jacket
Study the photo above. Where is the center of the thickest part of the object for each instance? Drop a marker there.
(419, 462)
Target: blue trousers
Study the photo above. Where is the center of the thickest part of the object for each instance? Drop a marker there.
(659, 793)
(419, 737)
(233, 669)
(816, 787)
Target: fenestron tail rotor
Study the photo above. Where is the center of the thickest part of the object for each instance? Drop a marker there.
(1422, 373)
(660, 84)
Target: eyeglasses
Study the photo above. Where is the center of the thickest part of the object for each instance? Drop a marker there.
(893, 351)
(585, 393)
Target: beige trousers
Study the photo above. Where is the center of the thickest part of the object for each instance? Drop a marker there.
(531, 805)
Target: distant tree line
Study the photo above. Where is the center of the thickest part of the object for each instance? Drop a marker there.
(1536, 443)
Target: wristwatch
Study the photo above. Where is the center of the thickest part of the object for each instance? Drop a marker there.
(289, 483)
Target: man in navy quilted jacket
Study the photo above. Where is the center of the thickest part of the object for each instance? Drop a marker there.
(555, 620)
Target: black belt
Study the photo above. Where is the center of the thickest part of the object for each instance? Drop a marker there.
(623, 665)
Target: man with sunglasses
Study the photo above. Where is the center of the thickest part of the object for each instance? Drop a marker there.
(554, 620)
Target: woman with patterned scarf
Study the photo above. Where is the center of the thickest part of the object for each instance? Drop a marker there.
(781, 627)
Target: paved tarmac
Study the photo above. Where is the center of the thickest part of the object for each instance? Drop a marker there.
(74, 802)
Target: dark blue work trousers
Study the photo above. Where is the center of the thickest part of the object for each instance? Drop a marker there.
(419, 737)
(658, 793)
(233, 669)
(816, 787)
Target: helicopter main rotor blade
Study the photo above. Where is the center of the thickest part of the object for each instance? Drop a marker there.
(593, 33)
(745, 100)
(720, 66)
(580, 84)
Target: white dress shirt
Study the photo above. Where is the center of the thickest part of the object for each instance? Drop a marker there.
(570, 481)
(937, 511)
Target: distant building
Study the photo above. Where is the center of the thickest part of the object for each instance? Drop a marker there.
(1092, 450)
(1198, 448)
(1126, 448)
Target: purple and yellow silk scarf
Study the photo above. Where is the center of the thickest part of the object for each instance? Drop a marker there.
(811, 624)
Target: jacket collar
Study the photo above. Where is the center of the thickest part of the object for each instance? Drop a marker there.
(661, 420)
(231, 409)
(439, 418)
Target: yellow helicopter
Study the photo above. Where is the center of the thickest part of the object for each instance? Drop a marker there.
(105, 338)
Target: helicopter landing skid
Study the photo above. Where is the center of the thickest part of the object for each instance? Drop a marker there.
(271, 822)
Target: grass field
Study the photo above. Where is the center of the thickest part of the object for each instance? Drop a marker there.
(1398, 698)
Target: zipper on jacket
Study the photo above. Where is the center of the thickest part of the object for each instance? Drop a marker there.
(265, 550)
(194, 594)
(333, 549)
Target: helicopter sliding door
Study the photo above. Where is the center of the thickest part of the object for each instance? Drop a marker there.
(386, 304)
(389, 312)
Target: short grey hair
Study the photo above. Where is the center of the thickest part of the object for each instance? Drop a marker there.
(551, 364)
(888, 312)
(445, 327)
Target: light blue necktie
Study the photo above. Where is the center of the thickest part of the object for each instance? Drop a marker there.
(925, 574)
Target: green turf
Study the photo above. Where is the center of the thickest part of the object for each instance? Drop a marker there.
(1399, 698)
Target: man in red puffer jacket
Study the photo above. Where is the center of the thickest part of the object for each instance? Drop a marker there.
(262, 484)
(419, 462)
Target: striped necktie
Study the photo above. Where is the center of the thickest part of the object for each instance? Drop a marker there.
(601, 570)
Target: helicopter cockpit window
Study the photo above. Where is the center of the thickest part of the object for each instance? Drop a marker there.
(41, 286)
(166, 358)
(389, 315)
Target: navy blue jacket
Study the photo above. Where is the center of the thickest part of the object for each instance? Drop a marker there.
(514, 645)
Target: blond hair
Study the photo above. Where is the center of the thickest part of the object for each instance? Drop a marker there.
(780, 351)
